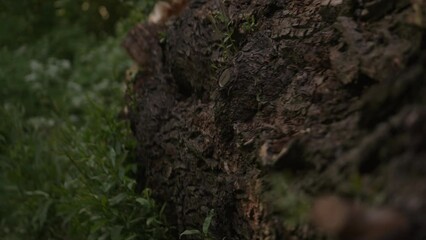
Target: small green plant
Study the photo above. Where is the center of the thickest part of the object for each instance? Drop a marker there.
(249, 25)
(204, 233)
(288, 201)
(225, 26)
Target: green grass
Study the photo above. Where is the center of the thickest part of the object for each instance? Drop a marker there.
(203, 233)
(65, 157)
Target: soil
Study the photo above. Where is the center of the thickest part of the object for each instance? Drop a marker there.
(255, 108)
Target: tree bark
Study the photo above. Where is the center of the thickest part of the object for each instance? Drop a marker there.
(241, 106)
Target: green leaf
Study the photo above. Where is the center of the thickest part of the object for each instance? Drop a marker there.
(131, 237)
(104, 201)
(116, 232)
(207, 222)
(41, 213)
(117, 199)
(190, 232)
(142, 201)
(37, 193)
(147, 193)
(112, 156)
(151, 221)
(162, 209)
(96, 225)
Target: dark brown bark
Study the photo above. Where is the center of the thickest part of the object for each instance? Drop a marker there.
(328, 94)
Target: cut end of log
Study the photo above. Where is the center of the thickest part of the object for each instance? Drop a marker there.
(330, 214)
(346, 220)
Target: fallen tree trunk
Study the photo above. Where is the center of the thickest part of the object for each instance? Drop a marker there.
(255, 108)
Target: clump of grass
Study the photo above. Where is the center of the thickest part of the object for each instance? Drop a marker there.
(287, 201)
(229, 32)
(248, 25)
(223, 25)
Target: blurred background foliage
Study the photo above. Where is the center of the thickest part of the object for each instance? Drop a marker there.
(65, 157)
(23, 20)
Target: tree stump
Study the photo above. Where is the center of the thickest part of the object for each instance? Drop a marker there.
(241, 106)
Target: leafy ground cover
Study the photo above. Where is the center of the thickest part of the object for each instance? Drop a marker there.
(65, 157)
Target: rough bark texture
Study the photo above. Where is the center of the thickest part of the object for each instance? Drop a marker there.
(325, 96)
